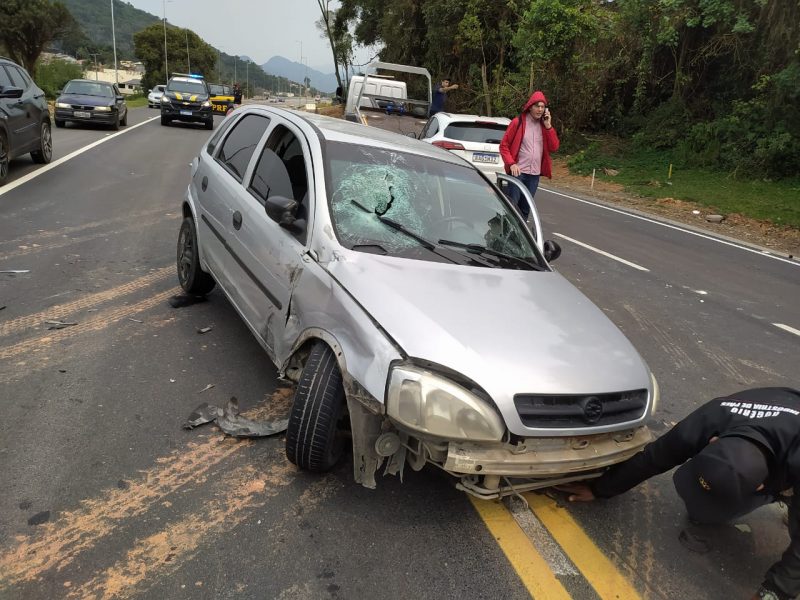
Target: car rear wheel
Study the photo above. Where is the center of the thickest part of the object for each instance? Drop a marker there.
(314, 441)
(5, 157)
(192, 278)
(44, 153)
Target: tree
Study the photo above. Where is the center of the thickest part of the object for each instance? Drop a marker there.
(27, 26)
(337, 40)
(149, 44)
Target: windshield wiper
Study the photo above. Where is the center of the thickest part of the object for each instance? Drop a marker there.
(478, 249)
(424, 242)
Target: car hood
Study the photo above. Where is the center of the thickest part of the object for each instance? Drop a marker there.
(84, 100)
(509, 331)
(186, 97)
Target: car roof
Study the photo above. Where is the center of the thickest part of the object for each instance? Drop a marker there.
(339, 130)
(473, 118)
(90, 81)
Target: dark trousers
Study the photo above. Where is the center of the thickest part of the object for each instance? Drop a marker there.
(532, 183)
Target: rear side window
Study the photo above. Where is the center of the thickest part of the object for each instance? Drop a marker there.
(238, 147)
(212, 144)
(482, 133)
(5, 80)
(24, 74)
(16, 80)
(432, 128)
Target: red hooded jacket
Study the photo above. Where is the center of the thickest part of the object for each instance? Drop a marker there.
(512, 140)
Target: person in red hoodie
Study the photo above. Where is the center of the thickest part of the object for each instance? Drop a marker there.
(526, 147)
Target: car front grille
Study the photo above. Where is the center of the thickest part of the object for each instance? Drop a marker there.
(81, 107)
(585, 410)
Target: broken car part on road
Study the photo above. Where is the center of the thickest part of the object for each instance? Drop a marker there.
(231, 422)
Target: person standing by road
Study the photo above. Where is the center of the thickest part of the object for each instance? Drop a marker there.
(526, 147)
(440, 95)
(737, 453)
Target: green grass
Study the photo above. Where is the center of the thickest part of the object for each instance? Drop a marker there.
(645, 173)
(136, 101)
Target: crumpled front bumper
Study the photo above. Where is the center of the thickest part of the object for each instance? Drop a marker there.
(544, 458)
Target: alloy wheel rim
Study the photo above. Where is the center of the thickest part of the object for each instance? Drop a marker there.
(47, 141)
(187, 253)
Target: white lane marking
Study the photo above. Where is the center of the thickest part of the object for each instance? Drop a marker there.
(32, 175)
(675, 227)
(787, 328)
(604, 253)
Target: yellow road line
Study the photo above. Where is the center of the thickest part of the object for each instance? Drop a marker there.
(533, 570)
(598, 570)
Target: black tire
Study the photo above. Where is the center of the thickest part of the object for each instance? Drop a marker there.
(5, 157)
(115, 124)
(44, 154)
(60, 123)
(313, 439)
(210, 123)
(192, 278)
(124, 120)
(164, 120)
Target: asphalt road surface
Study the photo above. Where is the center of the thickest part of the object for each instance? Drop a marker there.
(103, 494)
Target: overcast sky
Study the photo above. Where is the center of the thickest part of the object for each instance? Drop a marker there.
(259, 29)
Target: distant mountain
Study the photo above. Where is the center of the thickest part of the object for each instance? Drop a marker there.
(295, 71)
(94, 17)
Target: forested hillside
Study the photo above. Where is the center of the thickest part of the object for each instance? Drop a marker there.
(94, 17)
(717, 81)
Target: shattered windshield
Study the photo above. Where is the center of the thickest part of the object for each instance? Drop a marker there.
(373, 190)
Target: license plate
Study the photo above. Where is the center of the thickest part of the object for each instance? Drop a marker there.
(82, 114)
(186, 113)
(484, 158)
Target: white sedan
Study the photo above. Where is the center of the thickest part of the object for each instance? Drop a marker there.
(154, 97)
(472, 137)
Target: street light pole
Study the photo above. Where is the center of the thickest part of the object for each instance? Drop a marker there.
(166, 63)
(114, 42)
(235, 58)
(188, 60)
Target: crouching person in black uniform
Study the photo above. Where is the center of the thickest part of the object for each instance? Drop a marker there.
(736, 453)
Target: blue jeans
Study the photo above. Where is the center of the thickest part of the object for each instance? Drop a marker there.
(532, 183)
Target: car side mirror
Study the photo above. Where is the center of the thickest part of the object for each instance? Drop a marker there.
(120, 98)
(551, 250)
(11, 92)
(282, 210)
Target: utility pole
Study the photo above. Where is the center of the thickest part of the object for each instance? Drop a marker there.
(188, 60)
(247, 85)
(114, 42)
(166, 63)
(235, 59)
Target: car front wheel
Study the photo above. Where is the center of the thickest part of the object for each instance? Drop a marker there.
(314, 441)
(164, 121)
(192, 278)
(44, 153)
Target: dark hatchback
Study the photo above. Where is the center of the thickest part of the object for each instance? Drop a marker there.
(87, 101)
(24, 118)
(187, 99)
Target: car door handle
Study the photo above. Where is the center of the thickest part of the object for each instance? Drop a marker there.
(204, 183)
(237, 220)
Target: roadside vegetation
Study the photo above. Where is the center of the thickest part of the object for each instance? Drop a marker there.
(711, 86)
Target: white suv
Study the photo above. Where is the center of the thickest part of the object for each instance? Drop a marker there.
(472, 137)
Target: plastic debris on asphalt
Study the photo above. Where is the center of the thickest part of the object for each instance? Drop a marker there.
(232, 423)
(59, 324)
(182, 300)
(204, 329)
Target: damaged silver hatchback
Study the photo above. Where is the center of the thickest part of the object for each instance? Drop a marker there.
(415, 310)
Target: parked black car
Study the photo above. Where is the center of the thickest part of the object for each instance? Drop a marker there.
(187, 98)
(87, 101)
(24, 118)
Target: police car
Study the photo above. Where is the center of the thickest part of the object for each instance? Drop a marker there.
(187, 98)
(222, 99)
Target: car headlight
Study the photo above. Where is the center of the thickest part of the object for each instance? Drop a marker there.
(103, 108)
(164, 100)
(426, 402)
(656, 394)
(206, 104)
(63, 105)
